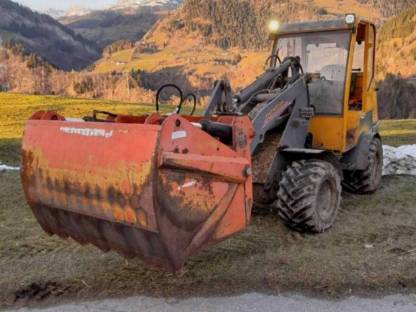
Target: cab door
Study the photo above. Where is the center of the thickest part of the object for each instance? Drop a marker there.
(360, 110)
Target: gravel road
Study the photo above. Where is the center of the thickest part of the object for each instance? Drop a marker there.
(249, 303)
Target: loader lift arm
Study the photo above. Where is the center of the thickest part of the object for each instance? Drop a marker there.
(277, 98)
(278, 95)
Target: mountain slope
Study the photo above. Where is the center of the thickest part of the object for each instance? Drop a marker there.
(126, 20)
(206, 40)
(397, 44)
(136, 4)
(55, 13)
(242, 22)
(46, 37)
(107, 26)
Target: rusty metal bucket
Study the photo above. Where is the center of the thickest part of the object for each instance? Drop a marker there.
(160, 189)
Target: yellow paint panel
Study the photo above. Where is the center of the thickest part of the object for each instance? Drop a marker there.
(328, 132)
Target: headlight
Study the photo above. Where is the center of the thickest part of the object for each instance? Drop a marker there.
(274, 26)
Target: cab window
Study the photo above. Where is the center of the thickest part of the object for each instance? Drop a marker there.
(355, 102)
(324, 58)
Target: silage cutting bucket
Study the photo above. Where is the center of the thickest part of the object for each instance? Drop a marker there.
(160, 192)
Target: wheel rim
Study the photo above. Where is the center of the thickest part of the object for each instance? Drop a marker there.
(326, 201)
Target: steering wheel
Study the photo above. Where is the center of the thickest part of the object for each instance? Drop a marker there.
(159, 92)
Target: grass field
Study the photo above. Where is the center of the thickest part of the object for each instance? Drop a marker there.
(15, 109)
(370, 250)
(398, 132)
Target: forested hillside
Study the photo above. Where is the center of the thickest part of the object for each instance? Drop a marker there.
(106, 27)
(397, 44)
(28, 73)
(241, 23)
(388, 8)
(46, 37)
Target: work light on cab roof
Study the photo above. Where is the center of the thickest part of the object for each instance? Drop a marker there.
(274, 26)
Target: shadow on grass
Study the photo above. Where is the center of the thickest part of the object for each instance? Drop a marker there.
(10, 151)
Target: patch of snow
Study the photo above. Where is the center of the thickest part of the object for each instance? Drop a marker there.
(55, 13)
(71, 12)
(134, 4)
(77, 11)
(4, 168)
(399, 160)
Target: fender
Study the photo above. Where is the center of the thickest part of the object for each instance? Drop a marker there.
(357, 158)
(286, 156)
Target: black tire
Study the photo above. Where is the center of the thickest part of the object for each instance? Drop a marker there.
(309, 196)
(369, 180)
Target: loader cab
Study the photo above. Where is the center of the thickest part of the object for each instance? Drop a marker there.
(337, 57)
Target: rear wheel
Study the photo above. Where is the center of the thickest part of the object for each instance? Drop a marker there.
(309, 196)
(368, 180)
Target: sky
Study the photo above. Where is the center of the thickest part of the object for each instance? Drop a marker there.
(42, 5)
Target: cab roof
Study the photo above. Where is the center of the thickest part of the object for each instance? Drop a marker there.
(319, 26)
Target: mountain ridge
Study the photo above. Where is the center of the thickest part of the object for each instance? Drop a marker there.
(134, 4)
(41, 34)
(397, 44)
(107, 26)
(127, 20)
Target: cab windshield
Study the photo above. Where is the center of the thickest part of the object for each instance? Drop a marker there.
(324, 57)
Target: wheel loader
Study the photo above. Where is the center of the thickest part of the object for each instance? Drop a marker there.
(163, 187)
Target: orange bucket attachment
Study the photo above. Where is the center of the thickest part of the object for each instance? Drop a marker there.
(160, 189)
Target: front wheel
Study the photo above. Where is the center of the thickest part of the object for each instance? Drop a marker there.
(309, 195)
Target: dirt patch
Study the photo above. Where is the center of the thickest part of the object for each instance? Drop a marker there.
(370, 250)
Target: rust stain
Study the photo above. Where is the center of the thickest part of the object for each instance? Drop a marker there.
(130, 216)
(100, 195)
(118, 214)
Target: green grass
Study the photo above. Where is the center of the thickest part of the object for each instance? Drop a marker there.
(147, 62)
(123, 56)
(16, 109)
(398, 132)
